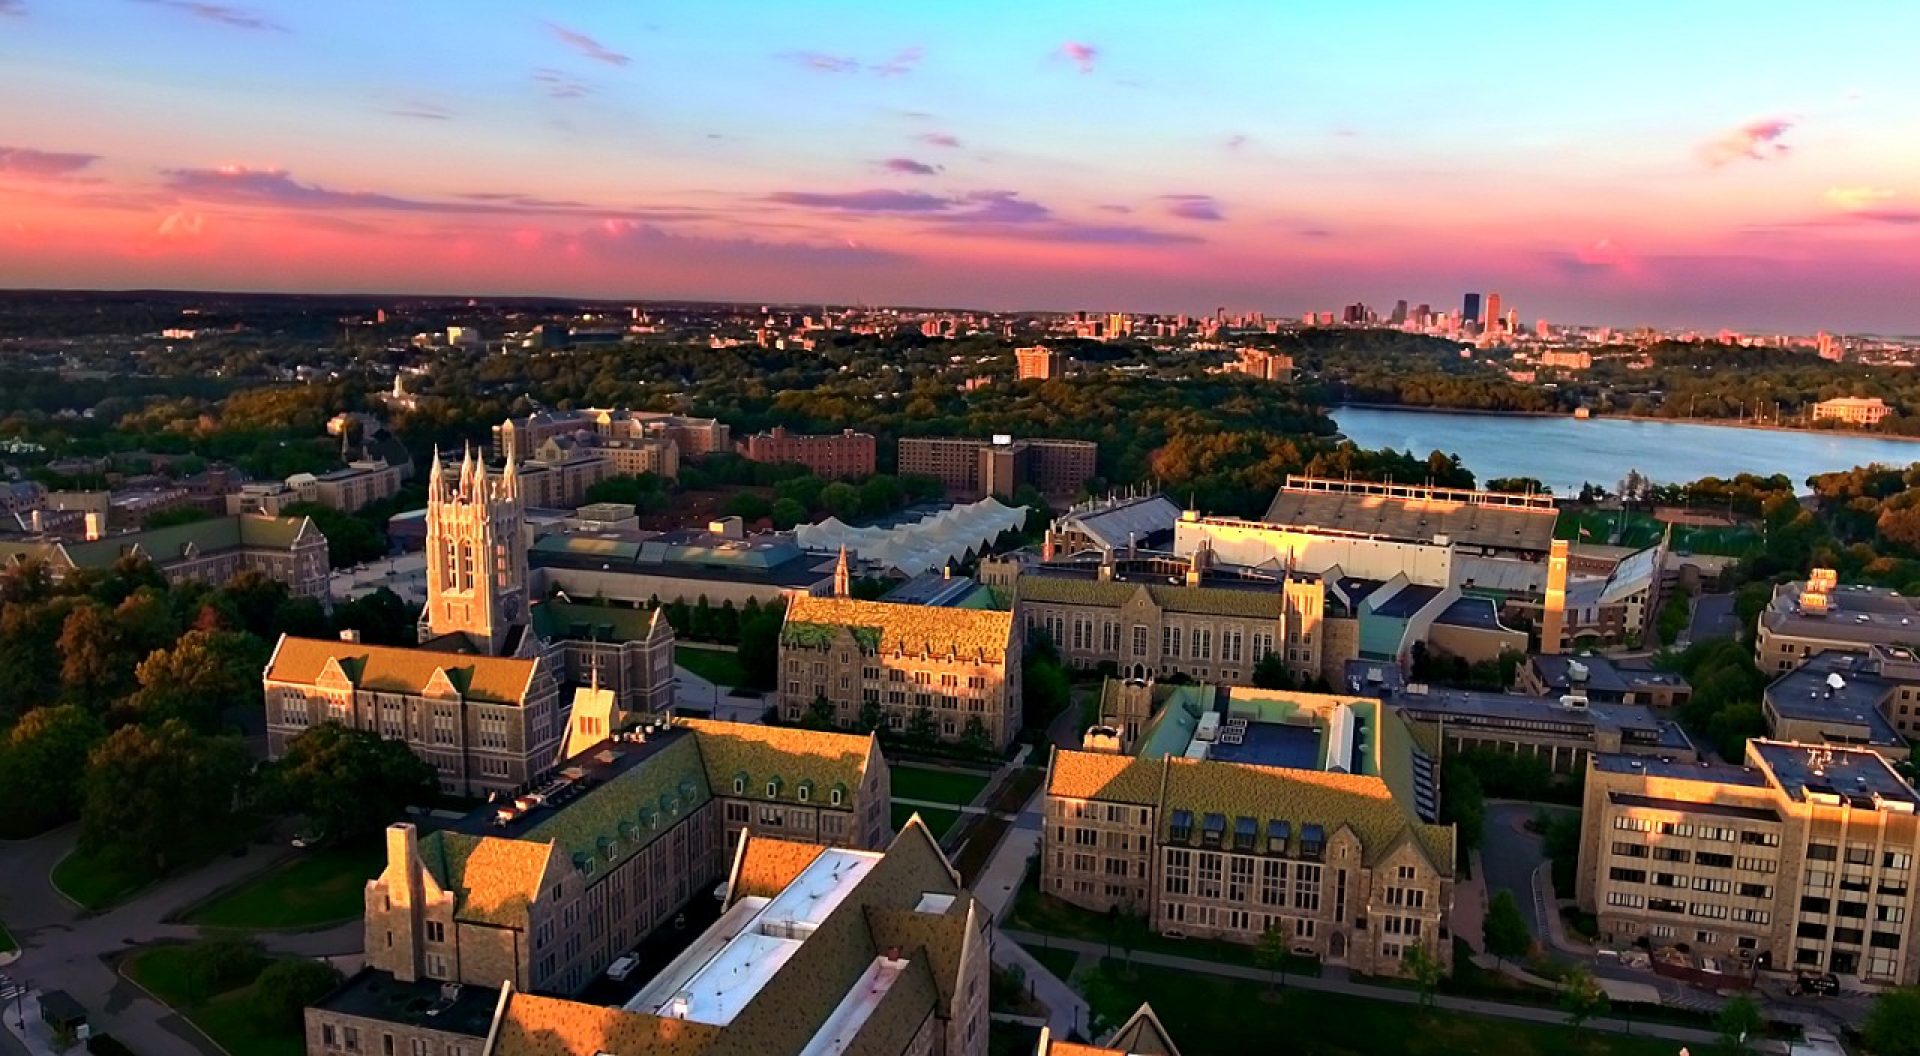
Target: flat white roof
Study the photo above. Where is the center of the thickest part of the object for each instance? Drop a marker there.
(854, 1009)
(723, 970)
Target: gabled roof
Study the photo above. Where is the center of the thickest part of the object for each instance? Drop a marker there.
(493, 880)
(211, 536)
(760, 754)
(1210, 601)
(392, 669)
(884, 627)
(582, 621)
(615, 821)
(1099, 775)
(552, 1026)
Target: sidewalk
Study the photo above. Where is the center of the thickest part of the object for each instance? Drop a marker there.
(1335, 985)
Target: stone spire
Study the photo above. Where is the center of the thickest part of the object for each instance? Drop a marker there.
(842, 576)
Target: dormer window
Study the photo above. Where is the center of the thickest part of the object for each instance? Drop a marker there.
(836, 795)
(804, 790)
(739, 784)
(773, 788)
(1180, 829)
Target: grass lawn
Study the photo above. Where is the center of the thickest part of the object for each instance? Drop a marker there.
(1640, 529)
(718, 666)
(318, 887)
(227, 1018)
(7, 945)
(938, 820)
(95, 883)
(1213, 1016)
(938, 786)
(1033, 911)
(1059, 962)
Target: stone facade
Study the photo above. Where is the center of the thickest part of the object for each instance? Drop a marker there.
(288, 550)
(955, 666)
(1800, 859)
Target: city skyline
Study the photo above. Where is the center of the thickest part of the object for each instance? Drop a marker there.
(1628, 168)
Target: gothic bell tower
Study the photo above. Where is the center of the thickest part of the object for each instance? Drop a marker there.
(476, 557)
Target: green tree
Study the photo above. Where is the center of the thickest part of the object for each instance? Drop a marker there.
(1463, 803)
(760, 645)
(920, 727)
(1504, 931)
(41, 762)
(1271, 953)
(1581, 998)
(1424, 969)
(204, 674)
(350, 540)
(820, 714)
(93, 669)
(975, 739)
(841, 500)
(747, 506)
(214, 966)
(1271, 672)
(872, 717)
(1739, 1020)
(285, 989)
(349, 783)
(1893, 1024)
(786, 513)
(148, 793)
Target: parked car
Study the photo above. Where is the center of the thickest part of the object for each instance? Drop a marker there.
(1816, 984)
(622, 967)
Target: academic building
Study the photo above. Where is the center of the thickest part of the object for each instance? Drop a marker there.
(818, 949)
(1225, 812)
(949, 667)
(1821, 614)
(1802, 858)
(973, 469)
(481, 697)
(846, 454)
(1154, 615)
(288, 550)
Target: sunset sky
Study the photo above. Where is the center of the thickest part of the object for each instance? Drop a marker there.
(1700, 164)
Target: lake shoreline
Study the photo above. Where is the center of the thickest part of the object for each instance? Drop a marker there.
(1716, 423)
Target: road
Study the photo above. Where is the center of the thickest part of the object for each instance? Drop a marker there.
(1713, 617)
(1509, 854)
(63, 948)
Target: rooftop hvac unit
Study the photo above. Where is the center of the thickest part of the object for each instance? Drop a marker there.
(1574, 700)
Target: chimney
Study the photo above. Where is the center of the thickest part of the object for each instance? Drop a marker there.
(36, 521)
(350, 634)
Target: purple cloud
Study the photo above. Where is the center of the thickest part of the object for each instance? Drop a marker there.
(585, 45)
(939, 139)
(1193, 206)
(630, 240)
(1122, 210)
(220, 14)
(13, 7)
(1236, 141)
(1754, 141)
(903, 62)
(1901, 217)
(909, 167)
(422, 112)
(1081, 55)
(237, 185)
(821, 62)
(559, 85)
(1316, 232)
(984, 207)
(42, 164)
(1069, 232)
(876, 201)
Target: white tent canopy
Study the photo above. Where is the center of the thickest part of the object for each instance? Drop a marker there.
(928, 544)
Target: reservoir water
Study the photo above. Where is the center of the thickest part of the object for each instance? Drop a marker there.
(1564, 452)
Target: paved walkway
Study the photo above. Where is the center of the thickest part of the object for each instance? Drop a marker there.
(64, 948)
(1337, 983)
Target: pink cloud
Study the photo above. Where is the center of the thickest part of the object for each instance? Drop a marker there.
(586, 45)
(909, 167)
(1193, 206)
(939, 139)
(181, 224)
(42, 164)
(13, 7)
(821, 62)
(1236, 141)
(560, 85)
(1754, 141)
(903, 62)
(1081, 55)
(221, 14)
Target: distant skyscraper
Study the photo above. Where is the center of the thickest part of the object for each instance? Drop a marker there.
(1513, 320)
(1399, 313)
(1355, 314)
(1470, 309)
(1493, 312)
